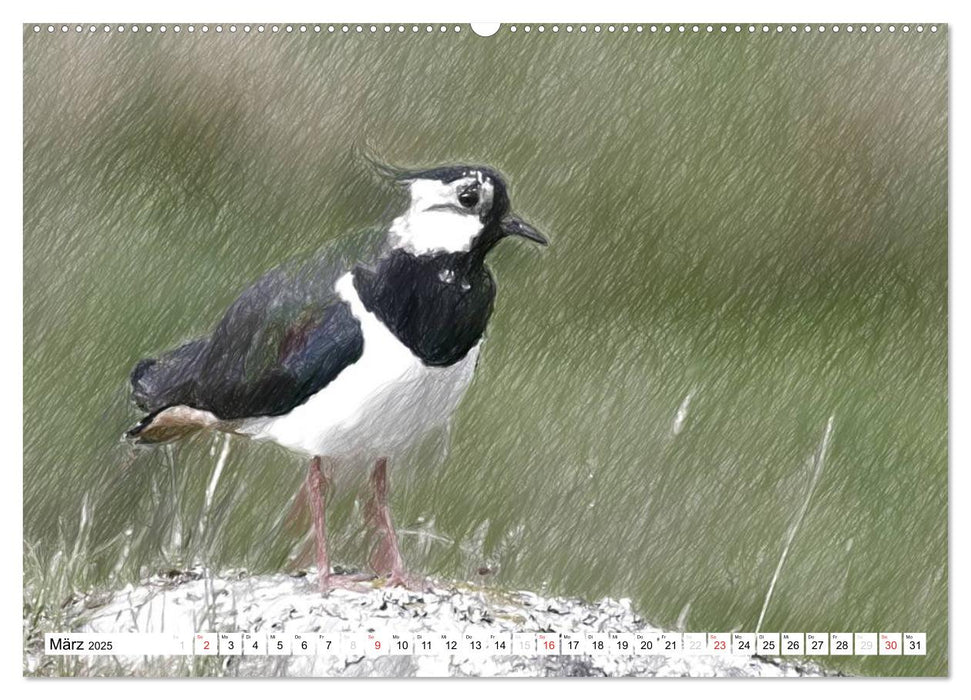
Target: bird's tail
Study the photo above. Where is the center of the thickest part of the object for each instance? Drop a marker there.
(169, 379)
(164, 388)
(171, 423)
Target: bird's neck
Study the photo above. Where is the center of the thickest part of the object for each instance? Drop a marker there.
(436, 305)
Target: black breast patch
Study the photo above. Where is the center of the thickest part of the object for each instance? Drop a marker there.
(436, 305)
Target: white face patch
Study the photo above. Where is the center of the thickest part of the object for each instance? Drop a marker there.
(436, 221)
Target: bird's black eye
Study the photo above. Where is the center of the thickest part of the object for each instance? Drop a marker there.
(469, 197)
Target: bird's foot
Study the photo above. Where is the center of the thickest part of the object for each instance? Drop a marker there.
(399, 577)
(359, 582)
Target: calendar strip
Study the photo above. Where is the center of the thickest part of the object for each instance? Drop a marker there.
(391, 643)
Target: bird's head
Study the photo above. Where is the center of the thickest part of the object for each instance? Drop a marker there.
(453, 209)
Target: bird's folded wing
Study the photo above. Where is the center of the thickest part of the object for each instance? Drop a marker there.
(283, 340)
(286, 337)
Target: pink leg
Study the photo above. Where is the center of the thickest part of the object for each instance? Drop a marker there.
(385, 557)
(317, 488)
(319, 482)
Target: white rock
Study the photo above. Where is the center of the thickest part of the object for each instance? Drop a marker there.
(239, 603)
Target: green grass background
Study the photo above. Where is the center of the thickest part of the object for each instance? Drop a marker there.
(757, 221)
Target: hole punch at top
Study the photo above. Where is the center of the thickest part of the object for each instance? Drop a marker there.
(485, 28)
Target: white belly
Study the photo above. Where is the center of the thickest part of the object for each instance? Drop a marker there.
(375, 407)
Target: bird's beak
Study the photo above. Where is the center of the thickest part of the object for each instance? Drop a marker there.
(514, 226)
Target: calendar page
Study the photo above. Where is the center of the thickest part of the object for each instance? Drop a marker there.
(536, 349)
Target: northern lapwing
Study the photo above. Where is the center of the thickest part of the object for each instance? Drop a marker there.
(338, 357)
